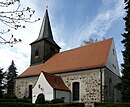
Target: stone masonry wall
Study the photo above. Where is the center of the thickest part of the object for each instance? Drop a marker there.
(22, 86)
(89, 85)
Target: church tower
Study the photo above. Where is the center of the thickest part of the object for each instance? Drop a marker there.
(44, 46)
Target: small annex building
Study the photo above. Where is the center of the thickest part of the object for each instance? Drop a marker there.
(51, 86)
(86, 74)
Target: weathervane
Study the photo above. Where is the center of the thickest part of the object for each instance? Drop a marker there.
(46, 6)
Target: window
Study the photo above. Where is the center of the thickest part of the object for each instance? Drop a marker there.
(110, 87)
(39, 86)
(30, 91)
(52, 49)
(113, 52)
(75, 89)
(114, 66)
(37, 52)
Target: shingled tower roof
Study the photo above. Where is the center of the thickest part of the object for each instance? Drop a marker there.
(45, 31)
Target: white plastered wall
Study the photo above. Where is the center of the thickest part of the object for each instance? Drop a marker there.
(42, 86)
(112, 62)
(63, 94)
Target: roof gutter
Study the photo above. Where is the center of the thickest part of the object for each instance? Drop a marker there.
(19, 77)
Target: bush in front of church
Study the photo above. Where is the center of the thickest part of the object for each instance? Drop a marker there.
(57, 100)
(40, 99)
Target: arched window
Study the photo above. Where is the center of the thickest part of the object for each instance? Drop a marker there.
(75, 89)
(30, 91)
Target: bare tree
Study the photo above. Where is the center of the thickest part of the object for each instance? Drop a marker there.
(91, 40)
(86, 42)
(13, 19)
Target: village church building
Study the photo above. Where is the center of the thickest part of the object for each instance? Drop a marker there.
(86, 74)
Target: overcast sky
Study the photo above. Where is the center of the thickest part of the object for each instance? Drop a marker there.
(72, 21)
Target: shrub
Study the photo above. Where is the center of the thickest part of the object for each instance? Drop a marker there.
(10, 104)
(17, 104)
(47, 102)
(15, 100)
(7, 96)
(57, 100)
(74, 105)
(111, 104)
(40, 99)
(61, 105)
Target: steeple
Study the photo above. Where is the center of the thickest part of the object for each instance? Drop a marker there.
(44, 46)
(45, 31)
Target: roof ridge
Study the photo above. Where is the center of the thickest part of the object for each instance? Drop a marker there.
(86, 45)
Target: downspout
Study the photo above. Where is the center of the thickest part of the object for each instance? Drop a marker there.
(101, 85)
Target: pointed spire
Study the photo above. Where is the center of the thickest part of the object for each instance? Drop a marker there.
(45, 31)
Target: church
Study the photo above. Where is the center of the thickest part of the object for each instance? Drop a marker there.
(85, 74)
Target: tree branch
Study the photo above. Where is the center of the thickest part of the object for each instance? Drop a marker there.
(13, 18)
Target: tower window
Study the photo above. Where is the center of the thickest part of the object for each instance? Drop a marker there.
(37, 52)
(52, 49)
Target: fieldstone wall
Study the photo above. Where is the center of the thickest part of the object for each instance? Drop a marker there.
(22, 86)
(90, 85)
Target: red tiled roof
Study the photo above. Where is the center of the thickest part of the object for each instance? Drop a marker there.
(55, 81)
(90, 56)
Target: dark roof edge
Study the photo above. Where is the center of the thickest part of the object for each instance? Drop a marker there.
(46, 40)
(62, 89)
(63, 72)
(26, 76)
(79, 70)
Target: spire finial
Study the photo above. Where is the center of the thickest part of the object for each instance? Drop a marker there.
(46, 6)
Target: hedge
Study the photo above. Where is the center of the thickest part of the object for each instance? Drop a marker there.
(15, 100)
(112, 105)
(55, 101)
(19, 104)
(14, 104)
